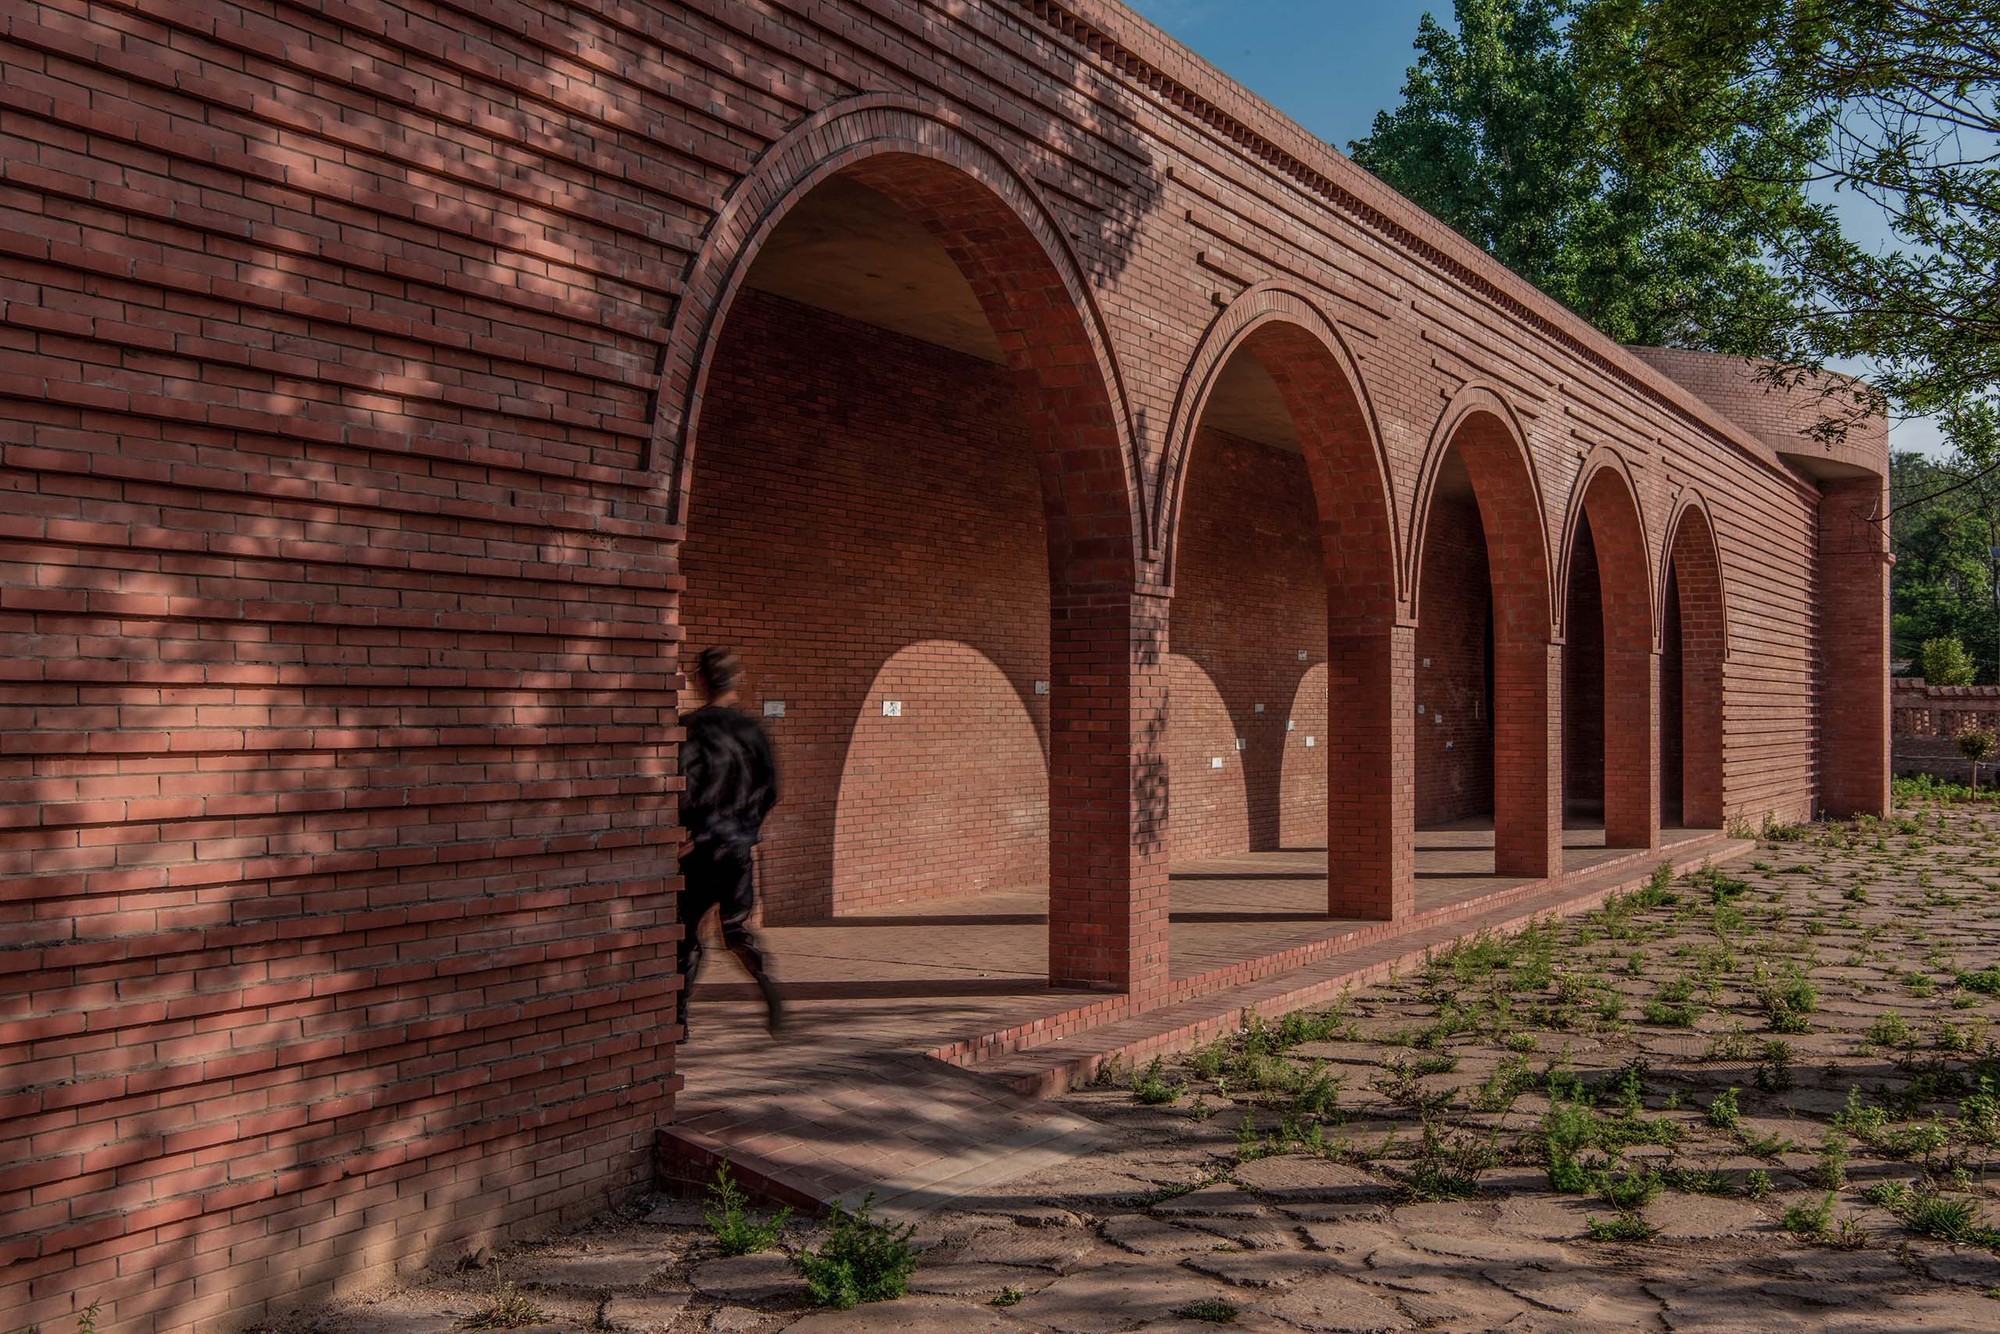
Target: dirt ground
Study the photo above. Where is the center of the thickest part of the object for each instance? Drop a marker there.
(1761, 1098)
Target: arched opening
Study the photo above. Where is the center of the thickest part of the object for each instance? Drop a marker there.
(1608, 669)
(1486, 677)
(1693, 646)
(1284, 588)
(910, 509)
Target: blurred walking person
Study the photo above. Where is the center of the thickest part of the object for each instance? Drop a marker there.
(731, 784)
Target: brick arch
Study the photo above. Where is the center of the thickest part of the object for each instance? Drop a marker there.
(1020, 266)
(1483, 427)
(1693, 568)
(1370, 827)
(1484, 430)
(1328, 401)
(1107, 787)
(1606, 498)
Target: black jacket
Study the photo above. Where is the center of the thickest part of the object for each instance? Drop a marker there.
(731, 780)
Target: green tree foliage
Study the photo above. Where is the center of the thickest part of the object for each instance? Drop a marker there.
(1947, 520)
(1946, 663)
(1496, 136)
(1890, 105)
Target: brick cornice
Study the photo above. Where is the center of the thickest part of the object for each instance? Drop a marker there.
(1559, 328)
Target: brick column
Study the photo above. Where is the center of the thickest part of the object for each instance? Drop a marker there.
(1371, 784)
(1527, 758)
(1853, 648)
(1108, 791)
(1631, 742)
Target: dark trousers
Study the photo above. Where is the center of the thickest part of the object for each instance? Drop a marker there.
(717, 875)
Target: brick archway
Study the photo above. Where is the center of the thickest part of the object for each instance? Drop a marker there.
(1606, 508)
(1369, 826)
(1480, 432)
(1106, 862)
(1697, 618)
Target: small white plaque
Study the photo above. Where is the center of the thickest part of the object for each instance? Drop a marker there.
(1259, 708)
(1291, 724)
(1302, 655)
(1427, 662)
(1309, 741)
(1420, 710)
(1041, 687)
(1438, 718)
(1241, 744)
(892, 708)
(774, 708)
(1215, 762)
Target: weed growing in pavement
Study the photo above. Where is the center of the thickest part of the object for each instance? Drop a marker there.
(1757, 1185)
(734, 1230)
(1724, 1111)
(863, 1259)
(1952, 1218)
(1152, 1088)
(1450, 1162)
(1889, 1030)
(1009, 1296)
(1830, 1172)
(1774, 1066)
(1209, 1310)
(1767, 1146)
(1811, 1221)
(1786, 998)
(1630, 1190)
(507, 1308)
(1732, 1044)
(1619, 1227)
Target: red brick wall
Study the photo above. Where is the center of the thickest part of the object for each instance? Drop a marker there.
(335, 670)
(1583, 683)
(1455, 757)
(1249, 597)
(866, 526)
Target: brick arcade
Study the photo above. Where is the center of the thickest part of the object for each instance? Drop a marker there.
(1095, 471)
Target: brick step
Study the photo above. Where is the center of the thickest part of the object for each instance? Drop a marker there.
(1097, 1014)
(914, 1132)
(1048, 1068)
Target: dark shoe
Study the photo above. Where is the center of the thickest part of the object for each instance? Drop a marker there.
(774, 1005)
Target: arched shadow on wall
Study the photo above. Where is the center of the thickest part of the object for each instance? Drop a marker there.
(1210, 815)
(950, 795)
(1302, 778)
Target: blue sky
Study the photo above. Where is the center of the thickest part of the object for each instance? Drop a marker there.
(1328, 64)
(1331, 65)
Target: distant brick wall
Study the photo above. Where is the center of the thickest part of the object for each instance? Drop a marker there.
(1454, 760)
(1927, 720)
(1251, 599)
(907, 561)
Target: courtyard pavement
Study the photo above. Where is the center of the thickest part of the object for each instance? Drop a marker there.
(1760, 1099)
